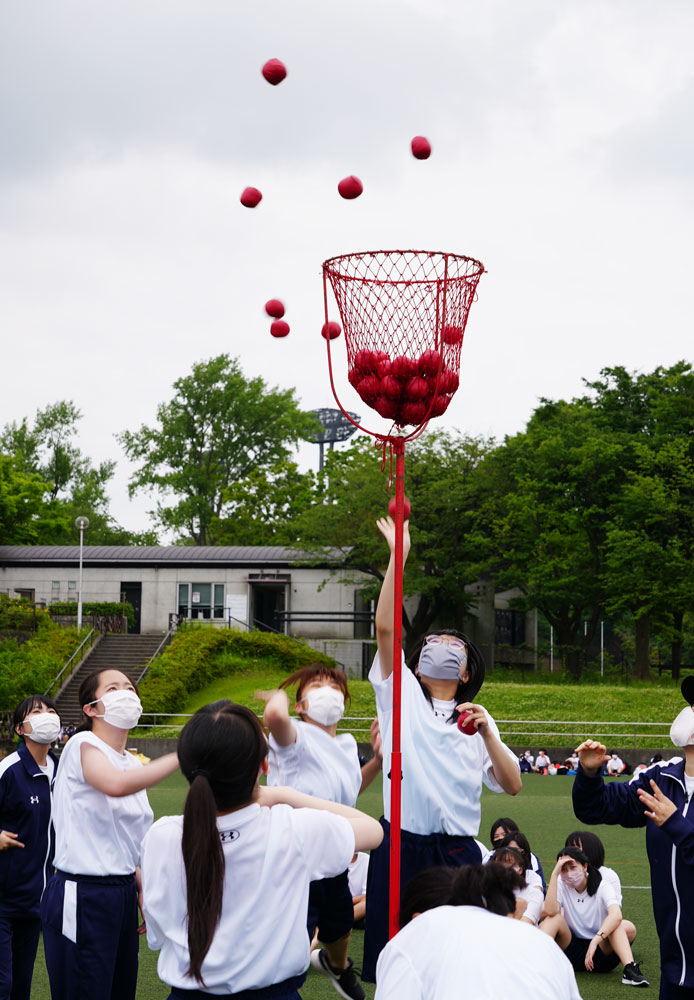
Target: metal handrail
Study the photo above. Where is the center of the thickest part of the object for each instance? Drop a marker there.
(154, 655)
(88, 639)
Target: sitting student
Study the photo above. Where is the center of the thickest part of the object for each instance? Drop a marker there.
(593, 848)
(615, 765)
(525, 762)
(453, 932)
(529, 897)
(542, 762)
(583, 915)
(505, 833)
(226, 885)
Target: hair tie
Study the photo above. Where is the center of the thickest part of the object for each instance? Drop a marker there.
(200, 772)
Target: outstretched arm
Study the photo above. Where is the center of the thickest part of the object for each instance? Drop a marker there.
(373, 766)
(386, 605)
(596, 802)
(102, 775)
(276, 717)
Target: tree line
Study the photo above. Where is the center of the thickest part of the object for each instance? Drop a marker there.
(589, 510)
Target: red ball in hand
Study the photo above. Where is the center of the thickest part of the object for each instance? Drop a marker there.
(279, 328)
(407, 507)
(466, 724)
(350, 187)
(274, 308)
(421, 148)
(331, 330)
(274, 71)
(250, 197)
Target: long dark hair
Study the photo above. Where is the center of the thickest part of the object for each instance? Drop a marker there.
(220, 750)
(507, 824)
(28, 705)
(592, 874)
(522, 843)
(87, 694)
(590, 844)
(487, 886)
(466, 691)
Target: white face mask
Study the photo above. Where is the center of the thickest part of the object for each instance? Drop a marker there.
(682, 729)
(573, 877)
(45, 727)
(122, 709)
(325, 705)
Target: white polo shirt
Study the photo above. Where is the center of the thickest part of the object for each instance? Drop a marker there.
(271, 856)
(443, 769)
(317, 764)
(96, 834)
(583, 913)
(464, 951)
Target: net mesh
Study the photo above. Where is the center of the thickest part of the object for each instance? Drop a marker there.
(404, 314)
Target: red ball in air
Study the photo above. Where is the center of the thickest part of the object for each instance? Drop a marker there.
(350, 187)
(274, 308)
(279, 328)
(250, 197)
(466, 724)
(421, 148)
(274, 71)
(452, 334)
(331, 330)
(429, 362)
(406, 505)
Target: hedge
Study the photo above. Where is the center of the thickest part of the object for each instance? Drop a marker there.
(17, 613)
(30, 668)
(198, 655)
(95, 608)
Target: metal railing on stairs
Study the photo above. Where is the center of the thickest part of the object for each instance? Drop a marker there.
(88, 641)
(164, 642)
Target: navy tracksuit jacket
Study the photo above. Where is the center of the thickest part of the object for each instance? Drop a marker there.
(25, 809)
(670, 850)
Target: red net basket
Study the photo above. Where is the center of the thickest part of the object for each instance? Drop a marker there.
(404, 314)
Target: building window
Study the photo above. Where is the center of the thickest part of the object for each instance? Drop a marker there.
(509, 628)
(201, 600)
(72, 585)
(55, 585)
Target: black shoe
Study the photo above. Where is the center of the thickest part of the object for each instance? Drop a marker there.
(344, 980)
(633, 976)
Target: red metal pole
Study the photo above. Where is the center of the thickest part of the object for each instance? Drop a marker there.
(396, 755)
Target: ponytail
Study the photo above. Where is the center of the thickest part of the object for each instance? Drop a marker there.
(220, 750)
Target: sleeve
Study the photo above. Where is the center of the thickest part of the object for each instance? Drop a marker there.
(611, 878)
(532, 894)
(615, 804)
(610, 894)
(383, 689)
(157, 884)
(681, 830)
(396, 977)
(327, 841)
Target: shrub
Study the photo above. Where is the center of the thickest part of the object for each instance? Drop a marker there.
(30, 668)
(20, 614)
(95, 608)
(198, 655)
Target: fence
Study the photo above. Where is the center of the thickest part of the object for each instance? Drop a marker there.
(518, 732)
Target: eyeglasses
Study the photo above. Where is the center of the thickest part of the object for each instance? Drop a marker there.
(437, 640)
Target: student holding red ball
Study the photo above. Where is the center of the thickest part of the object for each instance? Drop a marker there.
(443, 768)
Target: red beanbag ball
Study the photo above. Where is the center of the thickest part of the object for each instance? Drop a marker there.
(429, 362)
(403, 368)
(369, 388)
(406, 505)
(421, 148)
(250, 197)
(390, 387)
(354, 377)
(465, 723)
(414, 413)
(452, 334)
(416, 389)
(386, 407)
(366, 361)
(331, 330)
(350, 187)
(449, 381)
(274, 308)
(279, 328)
(439, 405)
(274, 71)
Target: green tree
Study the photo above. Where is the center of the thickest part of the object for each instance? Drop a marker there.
(21, 503)
(262, 508)
(219, 429)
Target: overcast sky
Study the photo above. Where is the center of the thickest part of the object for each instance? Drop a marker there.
(563, 159)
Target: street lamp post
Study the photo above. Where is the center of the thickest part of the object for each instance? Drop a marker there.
(82, 523)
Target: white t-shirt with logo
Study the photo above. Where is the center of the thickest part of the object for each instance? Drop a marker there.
(443, 769)
(271, 856)
(97, 834)
(453, 952)
(583, 913)
(317, 764)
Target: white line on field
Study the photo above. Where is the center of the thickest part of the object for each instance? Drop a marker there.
(636, 887)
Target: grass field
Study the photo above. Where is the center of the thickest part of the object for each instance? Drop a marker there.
(542, 810)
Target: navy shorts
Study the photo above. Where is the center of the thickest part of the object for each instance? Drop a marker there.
(287, 990)
(417, 852)
(576, 954)
(330, 908)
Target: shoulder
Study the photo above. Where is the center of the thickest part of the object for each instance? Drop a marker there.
(9, 762)
(165, 828)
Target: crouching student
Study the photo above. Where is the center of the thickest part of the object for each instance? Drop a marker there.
(26, 844)
(100, 814)
(226, 885)
(308, 754)
(529, 895)
(455, 941)
(582, 913)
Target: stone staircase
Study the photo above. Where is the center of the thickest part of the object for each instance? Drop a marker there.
(127, 653)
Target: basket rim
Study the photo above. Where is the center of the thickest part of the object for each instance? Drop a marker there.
(330, 268)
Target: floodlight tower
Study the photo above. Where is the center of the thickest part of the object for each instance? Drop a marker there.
(82, 523)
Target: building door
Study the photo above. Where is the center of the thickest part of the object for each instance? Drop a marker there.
(131, 593)
(266, 599)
